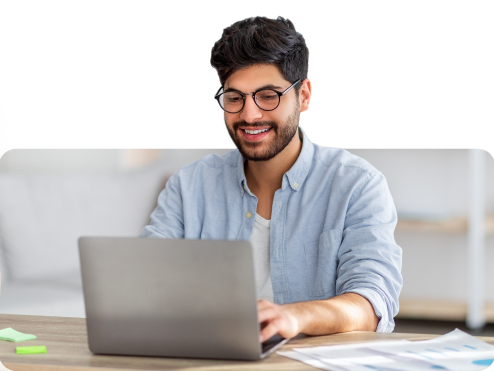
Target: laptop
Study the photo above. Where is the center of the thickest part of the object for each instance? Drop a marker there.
(171, 298)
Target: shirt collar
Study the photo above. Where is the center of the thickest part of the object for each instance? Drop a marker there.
(297, 174)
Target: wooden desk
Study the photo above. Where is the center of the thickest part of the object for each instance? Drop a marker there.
(66, 342)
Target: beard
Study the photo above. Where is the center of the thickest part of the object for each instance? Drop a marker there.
(283, 136)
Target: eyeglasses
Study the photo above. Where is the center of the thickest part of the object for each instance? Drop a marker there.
(265, 99)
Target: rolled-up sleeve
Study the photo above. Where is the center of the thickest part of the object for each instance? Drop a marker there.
(167, 220)
(369, 260)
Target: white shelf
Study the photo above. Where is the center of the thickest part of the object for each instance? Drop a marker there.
(439, 309)
(456, 225)
(475, 226)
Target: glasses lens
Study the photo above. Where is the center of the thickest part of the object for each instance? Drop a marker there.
(267, 99)
(231, 101)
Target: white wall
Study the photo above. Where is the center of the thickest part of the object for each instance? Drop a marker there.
(65, 161)
(429, 182)
(59, 160)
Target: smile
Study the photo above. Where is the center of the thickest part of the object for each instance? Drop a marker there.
(255, 135)
(255, 131)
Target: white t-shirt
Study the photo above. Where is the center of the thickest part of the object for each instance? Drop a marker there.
(262, 269)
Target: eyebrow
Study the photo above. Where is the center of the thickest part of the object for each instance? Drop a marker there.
(269, 86)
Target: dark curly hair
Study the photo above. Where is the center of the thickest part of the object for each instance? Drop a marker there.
(261, 40)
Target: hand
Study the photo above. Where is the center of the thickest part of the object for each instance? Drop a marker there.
(276, 319)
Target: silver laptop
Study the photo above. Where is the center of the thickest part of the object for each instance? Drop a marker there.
(173, 298)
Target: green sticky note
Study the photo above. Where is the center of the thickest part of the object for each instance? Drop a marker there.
(31, 350)
(10, 334)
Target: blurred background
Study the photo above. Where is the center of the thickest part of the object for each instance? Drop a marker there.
(48, 198)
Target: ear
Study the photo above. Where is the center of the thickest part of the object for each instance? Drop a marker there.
(304, 95)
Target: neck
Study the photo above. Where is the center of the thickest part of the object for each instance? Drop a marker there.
(268, 175)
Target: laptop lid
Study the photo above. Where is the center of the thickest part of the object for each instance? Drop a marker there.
(165, 297)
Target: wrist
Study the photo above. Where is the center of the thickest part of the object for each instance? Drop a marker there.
(297, 316)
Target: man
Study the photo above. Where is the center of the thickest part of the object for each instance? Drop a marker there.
(320, 220)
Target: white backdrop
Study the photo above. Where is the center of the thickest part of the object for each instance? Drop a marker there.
(121, 74)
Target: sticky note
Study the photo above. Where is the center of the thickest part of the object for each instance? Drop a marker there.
(31, 350)
(10, 334)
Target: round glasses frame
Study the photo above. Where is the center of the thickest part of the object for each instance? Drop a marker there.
(244, 96)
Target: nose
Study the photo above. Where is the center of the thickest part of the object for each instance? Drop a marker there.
(250, 113)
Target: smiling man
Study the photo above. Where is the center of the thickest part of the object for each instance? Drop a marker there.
(320, 220)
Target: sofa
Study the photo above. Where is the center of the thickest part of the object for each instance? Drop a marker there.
(43, 215)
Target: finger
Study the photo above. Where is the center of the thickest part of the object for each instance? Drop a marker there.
(263, 304)
(268, 314)
(269, 331)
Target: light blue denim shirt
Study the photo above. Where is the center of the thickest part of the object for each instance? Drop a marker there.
(332, 224)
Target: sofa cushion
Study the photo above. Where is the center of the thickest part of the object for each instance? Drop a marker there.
(61, 298)
(42, 216)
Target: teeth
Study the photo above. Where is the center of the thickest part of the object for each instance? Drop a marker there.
(255, 131)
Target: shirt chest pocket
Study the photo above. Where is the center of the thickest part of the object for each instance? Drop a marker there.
(321, 260)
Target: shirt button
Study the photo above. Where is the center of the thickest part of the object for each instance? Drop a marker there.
(248, 215)
(295, 185)
(241, 191)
